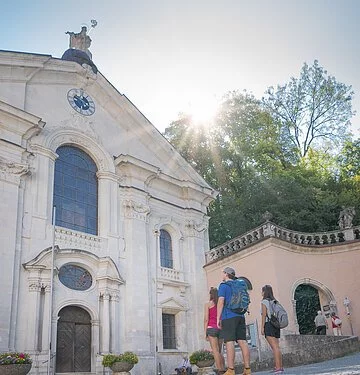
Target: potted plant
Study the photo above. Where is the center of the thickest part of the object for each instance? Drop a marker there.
(202, 358)
(15, 363)
(120, 362)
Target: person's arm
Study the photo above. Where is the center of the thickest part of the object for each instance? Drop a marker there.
(220, 307)
(263, 317)
(206, 316)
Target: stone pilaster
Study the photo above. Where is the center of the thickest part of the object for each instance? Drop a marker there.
(105, 323)
(138, 291)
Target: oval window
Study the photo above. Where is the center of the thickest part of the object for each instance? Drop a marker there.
(75, 277)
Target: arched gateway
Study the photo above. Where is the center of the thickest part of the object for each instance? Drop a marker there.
(73, 347)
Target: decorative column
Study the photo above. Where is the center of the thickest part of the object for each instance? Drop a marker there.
(46, 320)
(105, 324)
(138, 291)
(114, 303)
(44, 164)
(194, 256)
(108, 208)
(95, 338)
(12, 192)
(33, 313)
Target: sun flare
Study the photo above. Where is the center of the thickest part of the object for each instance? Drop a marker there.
(203, 110)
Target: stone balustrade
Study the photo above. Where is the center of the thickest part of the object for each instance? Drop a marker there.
(68, 238)
(170, 274)
(269, 229)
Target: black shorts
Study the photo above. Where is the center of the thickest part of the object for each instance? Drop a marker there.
(271, 331)
(233, 329)
(213, 332)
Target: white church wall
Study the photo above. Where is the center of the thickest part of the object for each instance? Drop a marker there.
(143, 186)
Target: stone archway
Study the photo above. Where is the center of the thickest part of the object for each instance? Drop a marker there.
(73, 347)
(307, 304)
(326, 297)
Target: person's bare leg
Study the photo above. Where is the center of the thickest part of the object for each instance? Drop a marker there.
(274, 344)
(219, 359)
(230, 353)
(245, 352)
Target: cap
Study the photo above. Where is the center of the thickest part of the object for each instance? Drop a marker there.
(229, 271)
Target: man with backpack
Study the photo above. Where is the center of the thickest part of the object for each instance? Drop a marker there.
(231, 307)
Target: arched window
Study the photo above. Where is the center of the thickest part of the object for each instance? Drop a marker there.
(166, 254)
(75, 190)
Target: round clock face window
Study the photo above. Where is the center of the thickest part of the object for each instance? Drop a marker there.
(75, 277)
(81, 102)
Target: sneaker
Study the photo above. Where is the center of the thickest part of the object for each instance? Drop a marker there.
(229, 371)
(247, 371)
(279, 371)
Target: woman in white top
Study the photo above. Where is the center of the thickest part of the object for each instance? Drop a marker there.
(271, 333)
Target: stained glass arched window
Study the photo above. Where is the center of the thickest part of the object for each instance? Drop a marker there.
(75, 190)
(166, 253)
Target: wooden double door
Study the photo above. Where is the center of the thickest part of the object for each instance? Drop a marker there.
(73, 347)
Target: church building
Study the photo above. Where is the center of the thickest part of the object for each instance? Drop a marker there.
(104, 225)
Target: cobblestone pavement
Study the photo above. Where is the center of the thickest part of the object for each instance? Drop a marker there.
(349, 365)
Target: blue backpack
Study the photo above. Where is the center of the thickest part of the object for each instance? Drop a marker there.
(240, 299)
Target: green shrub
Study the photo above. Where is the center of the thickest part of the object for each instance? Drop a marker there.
(201, 355)
(14, 358)
(110, 359)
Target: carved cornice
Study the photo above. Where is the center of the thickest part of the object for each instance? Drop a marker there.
(109, 176)
(196, 229)
(41, 150)
(12, 172)
(136, 210)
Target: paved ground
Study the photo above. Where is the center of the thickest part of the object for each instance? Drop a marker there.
(349, 365)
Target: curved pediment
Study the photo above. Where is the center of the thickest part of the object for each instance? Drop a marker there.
(103, 268)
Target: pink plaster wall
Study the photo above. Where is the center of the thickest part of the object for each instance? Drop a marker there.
(284, 266)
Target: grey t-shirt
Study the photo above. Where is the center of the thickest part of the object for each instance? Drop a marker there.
(320, 320)
(267, 305)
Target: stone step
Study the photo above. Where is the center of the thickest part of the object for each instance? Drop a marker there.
(310, 350)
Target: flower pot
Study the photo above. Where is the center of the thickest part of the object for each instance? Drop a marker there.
(205, 363)
(15, 369)
(121, 367)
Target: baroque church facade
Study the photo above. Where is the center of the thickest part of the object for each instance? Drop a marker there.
(117, 265)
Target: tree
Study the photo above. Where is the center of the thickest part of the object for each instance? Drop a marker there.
(311, 109)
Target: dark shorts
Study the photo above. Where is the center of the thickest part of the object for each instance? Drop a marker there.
(213, 332)
(233, 329)
(271, 331)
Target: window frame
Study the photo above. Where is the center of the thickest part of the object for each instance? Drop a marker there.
(76, 190)
(169, 328)
(166, 253)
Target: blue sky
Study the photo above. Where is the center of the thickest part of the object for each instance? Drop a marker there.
(170, 56)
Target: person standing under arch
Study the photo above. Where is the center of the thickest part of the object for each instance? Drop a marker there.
(336, 324)
(320, 323)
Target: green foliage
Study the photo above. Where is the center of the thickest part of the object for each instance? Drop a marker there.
(14, 358)
(311, 109)
(307, 305)
(110, 359)
(200, 355)
(259, 161)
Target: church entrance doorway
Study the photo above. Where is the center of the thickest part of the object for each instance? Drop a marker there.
(73, 347)
(307, 305)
